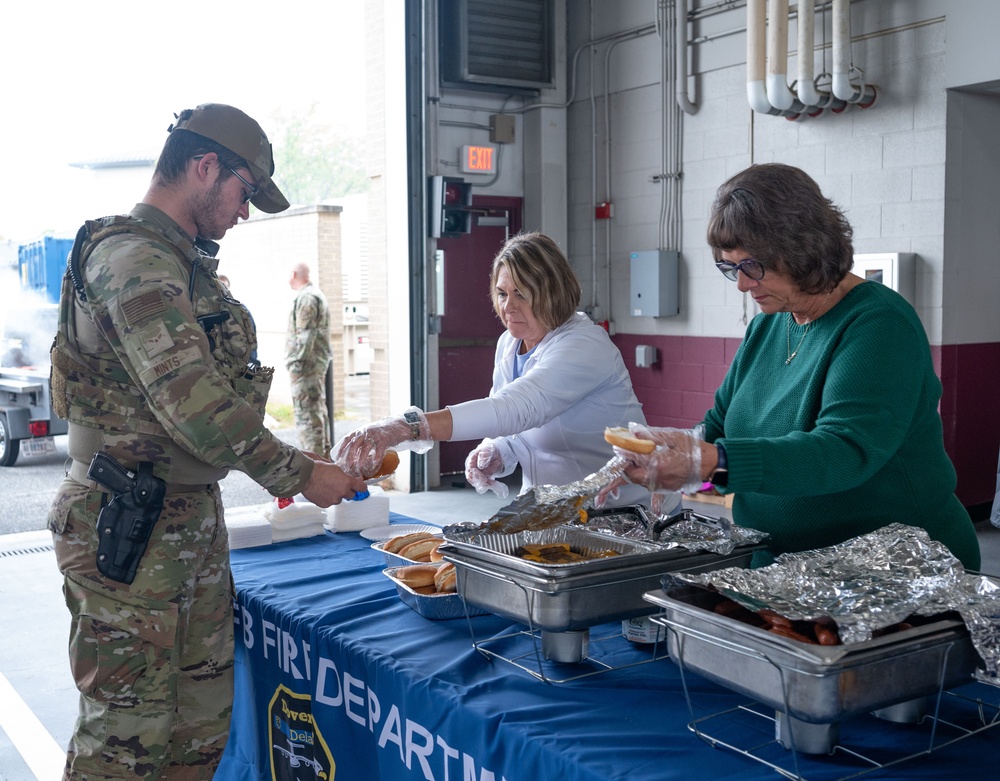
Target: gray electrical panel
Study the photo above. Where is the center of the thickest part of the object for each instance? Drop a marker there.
(655, 278)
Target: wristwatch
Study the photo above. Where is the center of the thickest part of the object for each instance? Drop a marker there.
(413, 419)
(721, 474)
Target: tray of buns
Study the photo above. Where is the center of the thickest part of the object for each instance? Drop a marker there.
(412, 548)
(429, 589)
(816, 682)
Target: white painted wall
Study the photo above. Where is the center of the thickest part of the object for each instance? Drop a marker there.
(884, 166)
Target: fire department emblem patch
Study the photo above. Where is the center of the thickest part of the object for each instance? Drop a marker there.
(298, 751)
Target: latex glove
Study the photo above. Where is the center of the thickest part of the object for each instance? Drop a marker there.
(482, 466)
(663, 503)
(611, 491)
(361, 452)
(674, 465)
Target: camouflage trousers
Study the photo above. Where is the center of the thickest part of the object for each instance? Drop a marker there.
(312, 420)
(153, 660)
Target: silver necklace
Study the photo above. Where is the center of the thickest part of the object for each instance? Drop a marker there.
(788, 339)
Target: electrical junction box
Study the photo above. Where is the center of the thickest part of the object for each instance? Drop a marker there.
(502, 128)
(654, 279)
(893, 269)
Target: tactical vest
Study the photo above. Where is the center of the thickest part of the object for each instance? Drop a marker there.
(89, 384)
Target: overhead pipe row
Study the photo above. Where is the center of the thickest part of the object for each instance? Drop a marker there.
(768, 19)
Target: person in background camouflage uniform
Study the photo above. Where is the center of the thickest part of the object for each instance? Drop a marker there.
(307, 357)
(152, 365)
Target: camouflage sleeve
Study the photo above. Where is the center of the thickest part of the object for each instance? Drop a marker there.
(138, 294)
(300, 349)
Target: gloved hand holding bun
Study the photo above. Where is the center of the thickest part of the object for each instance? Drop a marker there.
(661, 459)
(362, 452)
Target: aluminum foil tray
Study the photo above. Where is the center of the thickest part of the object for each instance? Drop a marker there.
(567, 597)
(813, 683)
(394, 559)
(433, 606)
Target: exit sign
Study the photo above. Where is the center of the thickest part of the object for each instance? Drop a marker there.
(478, 160)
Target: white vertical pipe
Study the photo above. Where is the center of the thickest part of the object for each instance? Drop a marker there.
(863, 94)
(756, 32)
(778, 93)
(681, 48)
(806, 87)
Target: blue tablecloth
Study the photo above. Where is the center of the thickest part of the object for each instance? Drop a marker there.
(337, 678)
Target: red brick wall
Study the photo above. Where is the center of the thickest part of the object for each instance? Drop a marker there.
(679, 388)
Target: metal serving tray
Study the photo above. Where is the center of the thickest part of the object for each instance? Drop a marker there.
(433, 606)
(565, 597)
(813, 683)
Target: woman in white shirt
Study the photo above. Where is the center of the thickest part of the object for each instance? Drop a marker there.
(558, 381)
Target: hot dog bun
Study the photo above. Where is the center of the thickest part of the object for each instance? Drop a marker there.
(417, 576)
(444, 580)
(389, 463)
(619, 436)
(396, 544)
(419, 550)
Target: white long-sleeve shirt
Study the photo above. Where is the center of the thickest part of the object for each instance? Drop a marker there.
(552, 418)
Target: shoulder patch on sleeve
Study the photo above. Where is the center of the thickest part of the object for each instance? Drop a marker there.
(155, 339)
(143, 306)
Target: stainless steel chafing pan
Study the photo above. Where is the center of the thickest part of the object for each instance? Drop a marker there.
(567, 597)
(813, 683)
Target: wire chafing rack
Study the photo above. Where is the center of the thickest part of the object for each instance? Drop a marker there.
(843, 749)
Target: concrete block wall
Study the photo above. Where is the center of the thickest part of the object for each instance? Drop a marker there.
(884, 166)
(329, 276)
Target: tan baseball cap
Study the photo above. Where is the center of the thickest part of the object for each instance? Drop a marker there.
(242, 136)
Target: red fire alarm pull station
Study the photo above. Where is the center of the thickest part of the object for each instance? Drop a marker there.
(603, 211)
(478, 160)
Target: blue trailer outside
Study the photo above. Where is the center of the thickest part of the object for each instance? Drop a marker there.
(41, 265)
(27, 327)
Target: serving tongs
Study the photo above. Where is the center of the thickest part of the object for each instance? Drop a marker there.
(711, 523)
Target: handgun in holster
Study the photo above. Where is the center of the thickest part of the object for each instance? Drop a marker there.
(126, 522)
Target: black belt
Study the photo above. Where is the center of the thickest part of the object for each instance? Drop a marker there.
(78, 471)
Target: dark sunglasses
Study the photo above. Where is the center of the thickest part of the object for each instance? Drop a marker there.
(253, 188)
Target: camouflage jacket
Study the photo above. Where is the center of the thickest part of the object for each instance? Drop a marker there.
(307, 343)
(153, 359)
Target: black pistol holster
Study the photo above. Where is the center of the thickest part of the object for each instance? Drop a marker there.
(126, 522)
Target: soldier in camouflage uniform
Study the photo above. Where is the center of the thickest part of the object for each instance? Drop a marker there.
(307, 357)
(152, 365)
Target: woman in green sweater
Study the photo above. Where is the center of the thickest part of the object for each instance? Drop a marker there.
(826, 426)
